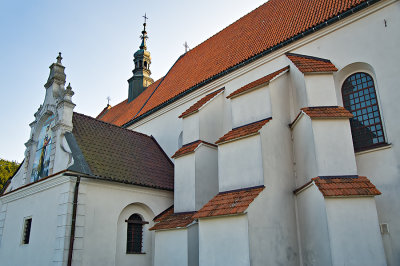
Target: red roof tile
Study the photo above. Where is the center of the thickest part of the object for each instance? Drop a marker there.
(122, 155)
(309, 64)
(102, 113)
(273, 23)
(190, 147)
(327, 112)
(243, 131)
(195, 107)
(345, 186)
(230, 202)
(170, 220)
(256, 83)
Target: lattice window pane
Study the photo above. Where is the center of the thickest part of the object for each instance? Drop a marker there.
(359, 97)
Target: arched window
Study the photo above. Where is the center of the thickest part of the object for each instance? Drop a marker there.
(359, 97)
(134, 239)
(145, 64)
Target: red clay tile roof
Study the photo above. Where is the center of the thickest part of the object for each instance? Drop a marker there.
(327, 112)
(309, 64)
(170, 220)
(256, 83)
(345, 186)
(122, 155)
(102, 113)
(190, 147)
(195, 107)
(243, 131)
(277, 22)
(230, 202)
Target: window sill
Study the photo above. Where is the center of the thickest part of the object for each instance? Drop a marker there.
(373, 149)
(135, 253)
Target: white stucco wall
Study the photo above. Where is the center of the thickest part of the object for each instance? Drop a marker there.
(240, 164)
(224, 241)
(299, 92)
(333, 147)
(320, 90)
(191, 128)
(171, 248)
(251, 107)
(184, 183)
(206, 183)
(104, 208)
(349, 221)
(193, 245)
(313, 232)
(272, 213)
(48, 203)
(304, 151)
(211, 119)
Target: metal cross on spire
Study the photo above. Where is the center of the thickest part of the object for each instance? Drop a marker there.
(108, 100)
(145, 18)
(186, 47)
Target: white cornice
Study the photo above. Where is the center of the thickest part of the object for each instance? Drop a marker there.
(249, 67)
(127, 187)
(35, 188)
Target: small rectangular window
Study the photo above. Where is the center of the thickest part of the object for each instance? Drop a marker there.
(27, 231)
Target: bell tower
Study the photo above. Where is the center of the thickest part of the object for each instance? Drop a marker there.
(141, 73)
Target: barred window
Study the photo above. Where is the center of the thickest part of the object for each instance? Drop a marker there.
(359, 97)
(134, 240)
(27, 231)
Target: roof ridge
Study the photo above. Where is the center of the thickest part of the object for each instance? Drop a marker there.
(122, 128)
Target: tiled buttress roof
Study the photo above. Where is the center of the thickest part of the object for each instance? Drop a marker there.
(243, 131)
(273, 23)
(327, 112)
(122, 155)
(257, 82)
(346, 186)
(195, 107)
(309, 64)
(190, 147)
(229, 203)
(171, 220)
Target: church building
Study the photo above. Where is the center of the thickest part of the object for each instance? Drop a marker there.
(273, 142)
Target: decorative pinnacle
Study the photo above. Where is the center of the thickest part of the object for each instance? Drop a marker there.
(69, 91)
(59, 58)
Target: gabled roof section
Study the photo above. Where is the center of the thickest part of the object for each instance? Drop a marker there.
(257, 83)
(195, 107)
(332, 186)
(190, 147)
(122, 155)
(271, 26)
(170, 220)
(310, 64)
(229, 203)
(243, 131)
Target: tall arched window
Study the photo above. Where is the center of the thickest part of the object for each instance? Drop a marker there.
(134, 239)
(359, 97)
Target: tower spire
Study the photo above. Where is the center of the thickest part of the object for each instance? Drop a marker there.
(141, 73)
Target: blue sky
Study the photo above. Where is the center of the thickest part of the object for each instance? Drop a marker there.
(97, 40)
